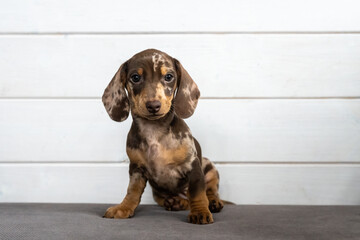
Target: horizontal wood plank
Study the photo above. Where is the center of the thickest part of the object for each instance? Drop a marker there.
(60, 130)
(185, 16)
(242, 184)
(228, 131)
(229, 65)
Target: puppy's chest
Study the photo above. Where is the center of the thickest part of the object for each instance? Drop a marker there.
(163, 147)
(166, 158)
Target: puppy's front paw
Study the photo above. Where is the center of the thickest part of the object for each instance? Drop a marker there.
(118, 211)
(215, 205)
(200, 217)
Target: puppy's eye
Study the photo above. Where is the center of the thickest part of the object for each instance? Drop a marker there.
(168, 77)
(135, 78)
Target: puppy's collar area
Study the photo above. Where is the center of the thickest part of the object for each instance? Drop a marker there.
(161, 121)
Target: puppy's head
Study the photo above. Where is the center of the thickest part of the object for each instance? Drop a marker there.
(155, 83)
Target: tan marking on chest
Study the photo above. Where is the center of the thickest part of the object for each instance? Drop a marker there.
(166, 166)
(175, 156)
(159, 154)
(165, 155)
(136, 156)
(162, 164)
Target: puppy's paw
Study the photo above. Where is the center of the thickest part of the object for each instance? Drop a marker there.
(215, 205)
(176, 204)
(200, 217)
(118, 211)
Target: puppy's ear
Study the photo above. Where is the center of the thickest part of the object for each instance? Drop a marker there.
(115, 99)
(187, 94)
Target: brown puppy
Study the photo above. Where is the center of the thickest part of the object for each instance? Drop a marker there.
(160, 146)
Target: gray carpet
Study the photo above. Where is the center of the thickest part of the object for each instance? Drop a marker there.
(84, 221)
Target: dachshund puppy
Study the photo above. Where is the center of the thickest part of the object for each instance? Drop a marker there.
(161, 149)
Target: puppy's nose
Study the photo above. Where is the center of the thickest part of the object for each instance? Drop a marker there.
(153, 106)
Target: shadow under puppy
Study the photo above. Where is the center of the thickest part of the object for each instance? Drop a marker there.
(161, 149)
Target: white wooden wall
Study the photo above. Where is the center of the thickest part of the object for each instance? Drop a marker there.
(280, 106)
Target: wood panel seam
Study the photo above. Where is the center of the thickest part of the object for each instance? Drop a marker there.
(208, 98)
(125, 163)
(59, 33)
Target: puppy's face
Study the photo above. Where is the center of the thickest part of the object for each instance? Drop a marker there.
(150, 80)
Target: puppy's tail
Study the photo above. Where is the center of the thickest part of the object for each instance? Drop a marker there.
(228, 202)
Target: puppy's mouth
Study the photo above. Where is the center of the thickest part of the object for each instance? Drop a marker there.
(154, 116)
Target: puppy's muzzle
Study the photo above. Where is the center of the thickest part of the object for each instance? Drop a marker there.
(153, 106)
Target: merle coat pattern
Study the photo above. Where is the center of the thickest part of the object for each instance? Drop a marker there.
(160, 93)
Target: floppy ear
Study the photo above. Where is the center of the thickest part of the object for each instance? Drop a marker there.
(187, 94)
(115, 99)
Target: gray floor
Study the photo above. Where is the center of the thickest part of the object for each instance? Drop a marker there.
(84, 221)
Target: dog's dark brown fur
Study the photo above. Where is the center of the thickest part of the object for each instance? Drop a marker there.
(160, 146)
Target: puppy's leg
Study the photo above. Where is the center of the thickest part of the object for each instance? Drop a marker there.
(132, 199)
(199, 204)
(212, 185)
